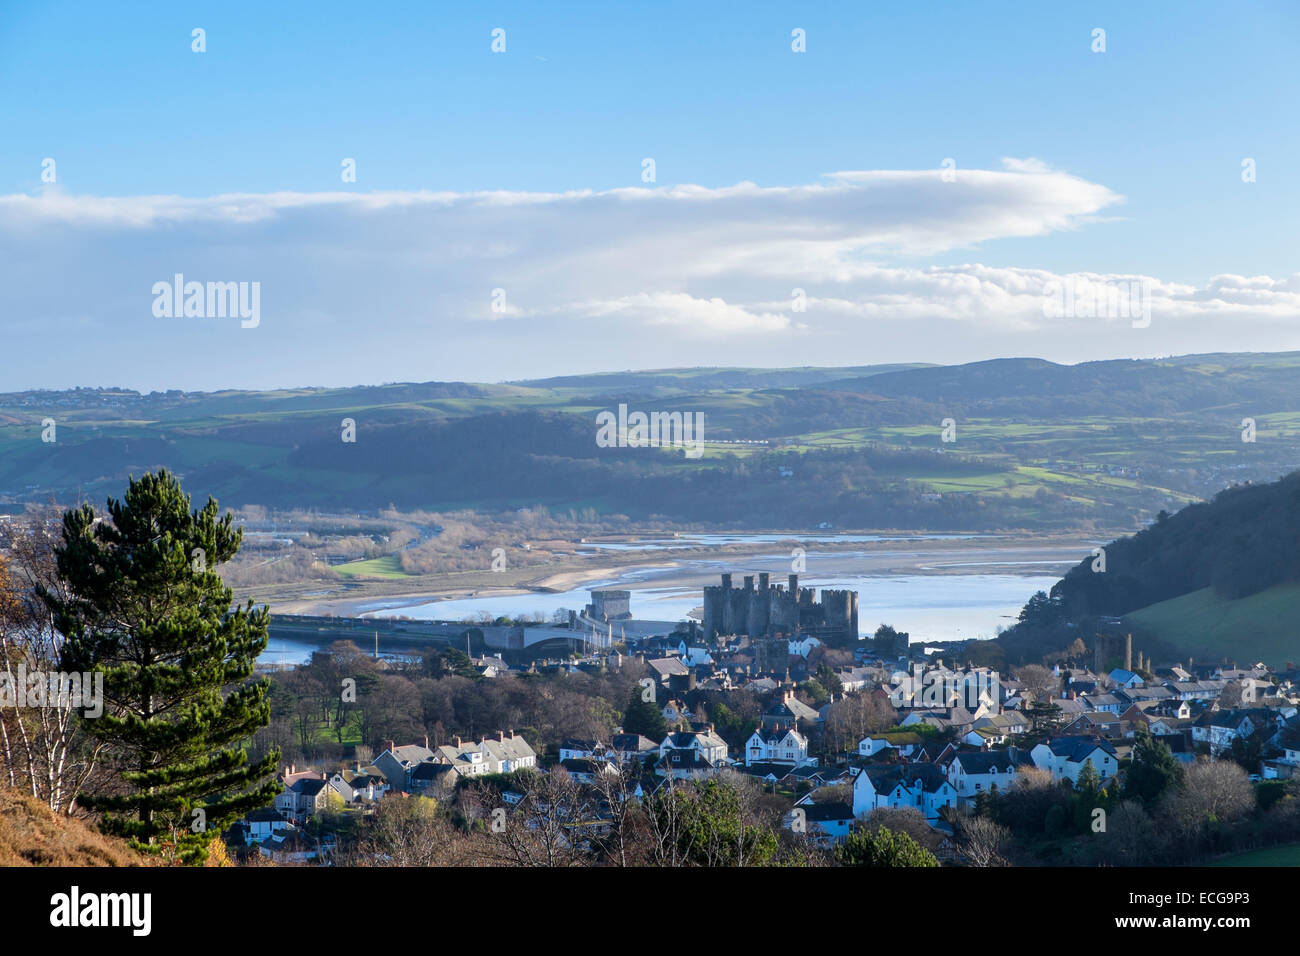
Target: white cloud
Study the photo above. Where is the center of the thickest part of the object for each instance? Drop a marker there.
(384, 286)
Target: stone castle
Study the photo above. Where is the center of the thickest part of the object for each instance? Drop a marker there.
(772, 609)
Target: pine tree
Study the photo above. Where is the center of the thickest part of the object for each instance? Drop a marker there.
(1153, 770)
(141, 603)
(644, 717)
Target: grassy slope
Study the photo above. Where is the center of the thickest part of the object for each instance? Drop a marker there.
(1263, 626)
(30, 835)
(1273, 856)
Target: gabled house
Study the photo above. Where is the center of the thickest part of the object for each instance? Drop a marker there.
(1106, 702)
(468, 759)
(1065, 757)
(1100, 722)
(264, 823)
(1219, 728)
(631, 747)
(431, 777)
(1195, 689)
(362, 785)
(778, 745)
(974, 773)
(589, 769)
(571, 748)
(922, 786)
(706, 742)
(396, 763)
(825, 824)
(1008, 723)
(1288, 741)
(507, 752)
(788, 711)
(304, 798)
(691, 754)
(1123, 678)
(907, 743)
(984, 738)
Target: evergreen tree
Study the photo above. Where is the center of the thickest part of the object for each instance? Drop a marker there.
(644, 717)
(884, 847)
(1153, 769)
(140, 602)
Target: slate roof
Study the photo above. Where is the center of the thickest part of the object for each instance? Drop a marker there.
(886, 778)
(823, 812)
(1005, 761)
(1078, 749)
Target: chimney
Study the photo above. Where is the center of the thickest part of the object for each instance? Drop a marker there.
(457, 739)
(426, 741)
(390, 745)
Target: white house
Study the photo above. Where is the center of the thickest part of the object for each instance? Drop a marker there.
(780, 745)
(987, 772)
(572, 748)
(825, 824)
(1220, 728)
(1119, 677)
(691, 754)
(1065, 757)
(264, 823)
(705, 742)
(1289, 742)
(906, 742)
(922, 786)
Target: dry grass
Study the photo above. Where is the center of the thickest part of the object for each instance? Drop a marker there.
(30, 835)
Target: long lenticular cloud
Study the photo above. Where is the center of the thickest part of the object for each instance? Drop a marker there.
(490, 285)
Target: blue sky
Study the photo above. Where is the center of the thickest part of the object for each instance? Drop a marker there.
(1161, 121)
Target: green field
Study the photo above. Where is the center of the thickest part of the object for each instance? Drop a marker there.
(1263, 626)
(1273, 856)
(1038, 446)
(387, 567)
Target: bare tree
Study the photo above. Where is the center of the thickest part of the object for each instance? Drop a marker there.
(854, 717)
(623, 844)
(1130, 837)
(549, 826)
(983, 842)
(1038, 682)
(410, 831)
(41, 747)
(907, 820)
(1214, 793)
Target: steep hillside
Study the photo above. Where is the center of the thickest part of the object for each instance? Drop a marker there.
(1262, 627)
(30, 835)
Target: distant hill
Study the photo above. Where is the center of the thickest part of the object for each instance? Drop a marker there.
(1097, 447)
(1218, 578)
(1246, 540)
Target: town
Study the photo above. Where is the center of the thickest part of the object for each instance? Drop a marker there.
(837, 734)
